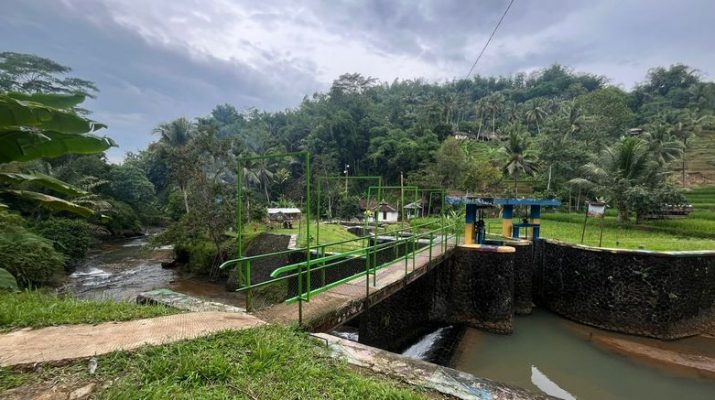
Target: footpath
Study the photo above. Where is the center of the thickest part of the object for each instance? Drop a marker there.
(66, 342)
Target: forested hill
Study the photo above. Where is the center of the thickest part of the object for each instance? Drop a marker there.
(387, 128)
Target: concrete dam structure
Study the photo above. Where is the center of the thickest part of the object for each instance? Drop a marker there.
(654, 294)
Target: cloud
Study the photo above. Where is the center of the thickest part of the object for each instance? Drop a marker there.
(158, 60)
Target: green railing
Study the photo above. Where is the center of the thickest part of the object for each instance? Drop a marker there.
(406, 243)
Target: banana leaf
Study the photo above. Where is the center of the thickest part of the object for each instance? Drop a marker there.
(24, 145)
(41, 179)
(54, 100)
(51, 202)
(7, 281)
(18, 113)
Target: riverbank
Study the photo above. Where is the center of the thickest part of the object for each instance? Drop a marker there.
(35, 309)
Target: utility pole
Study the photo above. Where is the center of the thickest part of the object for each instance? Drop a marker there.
(347, 167)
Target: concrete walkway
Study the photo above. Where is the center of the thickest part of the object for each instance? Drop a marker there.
(58, 343)
(328, 309)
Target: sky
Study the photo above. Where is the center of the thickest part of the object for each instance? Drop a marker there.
(157, 60)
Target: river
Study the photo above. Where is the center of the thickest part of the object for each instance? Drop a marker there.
(121, 269)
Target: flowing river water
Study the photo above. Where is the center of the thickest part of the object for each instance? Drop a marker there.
(122, 269)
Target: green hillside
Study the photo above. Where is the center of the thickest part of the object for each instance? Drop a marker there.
(701, 160)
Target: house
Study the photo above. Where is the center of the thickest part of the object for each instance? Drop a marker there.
(635, 131)
(384, 211)
(284, 214)
(414, 210)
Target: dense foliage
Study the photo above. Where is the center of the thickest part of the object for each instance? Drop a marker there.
(71, 237)
(30, 258)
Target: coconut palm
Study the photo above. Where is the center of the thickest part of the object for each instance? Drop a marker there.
(663, 146)
(616, 169)
(518, 154)
(173, 145)
(535, 114)
(688, 124)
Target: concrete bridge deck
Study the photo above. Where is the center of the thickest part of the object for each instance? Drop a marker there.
(337, 305)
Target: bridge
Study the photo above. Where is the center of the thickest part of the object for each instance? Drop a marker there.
(338, 280)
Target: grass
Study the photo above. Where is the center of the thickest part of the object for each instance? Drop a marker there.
(329, 233)
(669, 235)
(270, 362)
(40, 308)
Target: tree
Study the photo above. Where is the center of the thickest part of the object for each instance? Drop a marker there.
(617, 169)
(535, 114)
(518, 154)
(608, 115)
(44, 126)
(172, 146)
(688, 124)
(662, 145)
(450, 164)
(31, 74)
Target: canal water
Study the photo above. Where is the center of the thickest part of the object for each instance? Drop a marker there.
(122, 269)
(549, 354)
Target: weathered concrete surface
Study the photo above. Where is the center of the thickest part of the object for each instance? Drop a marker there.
(51, 390)
(58, 343)
(702, 365)
(415, 372)
(181, 301)
(333, 307)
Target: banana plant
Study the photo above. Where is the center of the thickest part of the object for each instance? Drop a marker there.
(34, 126)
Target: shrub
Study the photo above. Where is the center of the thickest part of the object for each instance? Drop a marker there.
(30, 258)
(70, 236)
(124, 221)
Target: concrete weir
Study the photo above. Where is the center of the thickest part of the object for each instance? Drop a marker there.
(420, 373)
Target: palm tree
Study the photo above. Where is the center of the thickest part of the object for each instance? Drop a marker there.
(689, 124)
(517, 152)
(173, 144)
(493, 105)
(618, 168)
(664, 147)
(536, 114)
(572, 113)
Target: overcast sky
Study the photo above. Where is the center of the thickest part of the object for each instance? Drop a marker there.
(156, 60)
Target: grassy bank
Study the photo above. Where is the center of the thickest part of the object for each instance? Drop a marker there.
(271, 362)
(41, 308)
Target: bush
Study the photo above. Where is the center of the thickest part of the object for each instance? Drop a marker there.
(70, 236)
(30, 258)
(124, 221)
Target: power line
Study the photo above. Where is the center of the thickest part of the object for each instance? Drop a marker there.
(489, 40)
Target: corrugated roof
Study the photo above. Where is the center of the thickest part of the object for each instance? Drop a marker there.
(284, 210)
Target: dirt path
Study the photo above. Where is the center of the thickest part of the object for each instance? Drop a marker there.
(58, 343)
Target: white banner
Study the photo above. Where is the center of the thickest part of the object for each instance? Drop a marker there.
(596, 209)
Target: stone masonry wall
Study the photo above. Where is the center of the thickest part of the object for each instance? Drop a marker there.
(662, 295)
(471, 288)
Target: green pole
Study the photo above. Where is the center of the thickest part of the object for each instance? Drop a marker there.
(239, 203)
(317, 208)
(307, 218)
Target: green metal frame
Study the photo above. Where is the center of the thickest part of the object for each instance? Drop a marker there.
(239, 221)
(444, 230)
(367, 221)
(431, 192)
(319, 185)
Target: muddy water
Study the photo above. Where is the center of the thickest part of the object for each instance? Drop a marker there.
(122, 269)
(556, 356)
